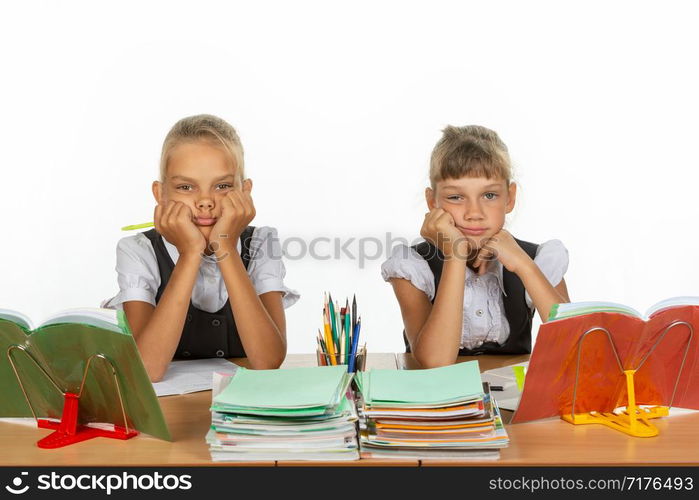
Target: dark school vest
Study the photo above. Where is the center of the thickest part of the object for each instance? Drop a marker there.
(205, 334)
(518, 315)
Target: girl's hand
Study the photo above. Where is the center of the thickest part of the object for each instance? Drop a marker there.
(439, 228)
(174, 222)
(503, 247)
(237, 211)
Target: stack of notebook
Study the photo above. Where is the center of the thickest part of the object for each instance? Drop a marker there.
(285, 414)
(437, 413)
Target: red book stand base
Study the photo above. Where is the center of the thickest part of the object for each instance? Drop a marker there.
(67, 431)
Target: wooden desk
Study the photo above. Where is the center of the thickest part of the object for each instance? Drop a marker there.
(188, 418)
(555, 442)
(550, 442)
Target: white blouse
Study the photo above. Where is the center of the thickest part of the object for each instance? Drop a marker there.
(484, 312)
(139, 277)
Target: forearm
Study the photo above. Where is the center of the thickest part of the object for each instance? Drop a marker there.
(542, 293)
(437, 342)
(158, 340)
(264, 343)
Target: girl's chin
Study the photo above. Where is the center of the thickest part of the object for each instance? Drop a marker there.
(206, 231)
(477, 241)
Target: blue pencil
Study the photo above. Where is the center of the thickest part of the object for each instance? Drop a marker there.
(355, 342)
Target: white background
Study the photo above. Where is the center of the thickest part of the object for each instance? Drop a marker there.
(338, 106)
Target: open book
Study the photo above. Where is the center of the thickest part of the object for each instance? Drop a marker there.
(662, 346)
(562, 311)
(58, 350)
(107, 319)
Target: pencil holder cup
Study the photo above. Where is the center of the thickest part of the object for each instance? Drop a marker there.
(325, 359)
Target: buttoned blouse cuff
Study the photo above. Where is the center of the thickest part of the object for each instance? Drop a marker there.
(552, 259)
(289, 296)
(407, 264)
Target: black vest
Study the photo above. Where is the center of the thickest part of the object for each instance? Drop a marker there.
(518, 315)
(205, 334)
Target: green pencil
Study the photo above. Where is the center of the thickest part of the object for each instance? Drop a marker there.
(333, 323)
(138, 226)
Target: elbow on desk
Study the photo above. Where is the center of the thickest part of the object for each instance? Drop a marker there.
(155, 374)
(267, 364)
(433, 361)
(154, 365)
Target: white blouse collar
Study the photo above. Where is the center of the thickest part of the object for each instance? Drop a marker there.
(495, 268)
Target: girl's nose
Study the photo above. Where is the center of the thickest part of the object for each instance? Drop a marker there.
(473, 212)
(205, 203)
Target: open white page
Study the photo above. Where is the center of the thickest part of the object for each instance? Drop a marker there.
(17, 317)
(569, 309)
(102, 318)
(508, 398)
(672, 302)
(183, 377)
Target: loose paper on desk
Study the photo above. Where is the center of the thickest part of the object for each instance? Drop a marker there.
(508, 398)
(183, 377)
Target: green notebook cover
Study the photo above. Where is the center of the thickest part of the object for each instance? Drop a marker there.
(291, 390)
(62, 350)
(430, 386)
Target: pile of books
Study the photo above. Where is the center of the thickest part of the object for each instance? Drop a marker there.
(437, 413)
(285, 414)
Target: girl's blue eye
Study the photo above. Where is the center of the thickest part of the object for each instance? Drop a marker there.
(225, 186)
(454, 197)
(184, 187)
(490, 196)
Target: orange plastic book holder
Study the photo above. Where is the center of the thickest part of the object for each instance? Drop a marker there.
(572, 374)
(633, 421)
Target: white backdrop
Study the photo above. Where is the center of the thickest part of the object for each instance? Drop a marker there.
(338, 107)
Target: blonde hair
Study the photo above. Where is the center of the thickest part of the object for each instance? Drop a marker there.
(203, 127)
(470, 151)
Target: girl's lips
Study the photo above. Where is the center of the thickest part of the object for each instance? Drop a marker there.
(204, 221)
(473, 231)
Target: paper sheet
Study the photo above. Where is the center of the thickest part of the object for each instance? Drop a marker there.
(183, 377)
(508, 398)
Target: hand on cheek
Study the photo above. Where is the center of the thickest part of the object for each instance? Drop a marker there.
(440, 229)
(173, 220)
(237, 211)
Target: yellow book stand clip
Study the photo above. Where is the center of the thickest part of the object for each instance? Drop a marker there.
(633, 421)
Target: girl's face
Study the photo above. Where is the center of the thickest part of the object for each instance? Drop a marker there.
(478, 205)
(199, 174)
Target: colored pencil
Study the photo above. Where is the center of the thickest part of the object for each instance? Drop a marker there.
(333, 324)
(355, 341)
(339, 338)
(348, 334)
(329, 340)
